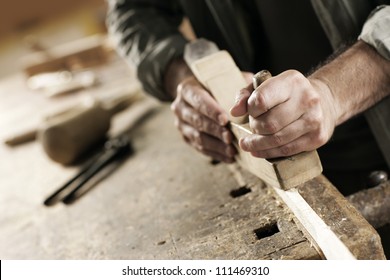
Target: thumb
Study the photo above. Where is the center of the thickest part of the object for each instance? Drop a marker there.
(240, 107)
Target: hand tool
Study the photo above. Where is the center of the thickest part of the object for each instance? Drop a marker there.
(67, 135)
(218, 73)
(114, 149)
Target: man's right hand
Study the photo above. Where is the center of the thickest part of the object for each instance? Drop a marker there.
(202, 122)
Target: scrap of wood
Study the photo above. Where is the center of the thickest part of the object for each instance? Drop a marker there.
(219, 74)
(82, 53)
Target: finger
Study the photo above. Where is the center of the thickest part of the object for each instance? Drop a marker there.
(203, 142)
(269, 94)
(277, 118)
(302, 144)
(201, 100)
(213, 154)
(240, 107)
(218, 157)
(202, 123)
(307, 142)
(257, 143)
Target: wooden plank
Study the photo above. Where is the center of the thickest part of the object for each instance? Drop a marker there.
(83, 53)
(329, 243)
(219, 74)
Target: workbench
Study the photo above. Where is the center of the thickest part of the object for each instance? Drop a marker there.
(165, 201)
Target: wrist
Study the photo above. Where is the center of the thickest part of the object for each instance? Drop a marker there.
(176, 72)
(329, 103)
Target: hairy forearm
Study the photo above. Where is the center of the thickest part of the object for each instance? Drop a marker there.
(357, 79)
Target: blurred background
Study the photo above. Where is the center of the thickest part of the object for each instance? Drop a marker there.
(50, 22)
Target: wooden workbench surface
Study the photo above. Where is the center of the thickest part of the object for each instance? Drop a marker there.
(166, 201)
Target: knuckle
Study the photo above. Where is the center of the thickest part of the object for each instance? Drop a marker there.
(286, 149)
(197, 121)
(197, 138)
(270, 126)
(320, 138)
(296, 77)
(207, 126)
(175, 105)
(264, 125)
(317, 119)
(314, 120)
(276, 140)
(197, 100)
(314, 99)
(185, 86)
(208, 110)
(261, 102)
(311, 99)
(301, 83)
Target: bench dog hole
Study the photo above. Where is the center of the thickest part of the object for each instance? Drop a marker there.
(214, 162)
(266, 231)
(240, 191)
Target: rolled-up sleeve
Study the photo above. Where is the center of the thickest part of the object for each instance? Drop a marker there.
(376, 30)
(147, 36)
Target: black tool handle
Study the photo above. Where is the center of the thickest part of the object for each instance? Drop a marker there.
(111, 154)
(113, 148)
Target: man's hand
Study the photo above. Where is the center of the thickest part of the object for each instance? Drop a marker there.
(202, 122)
(288, 114)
